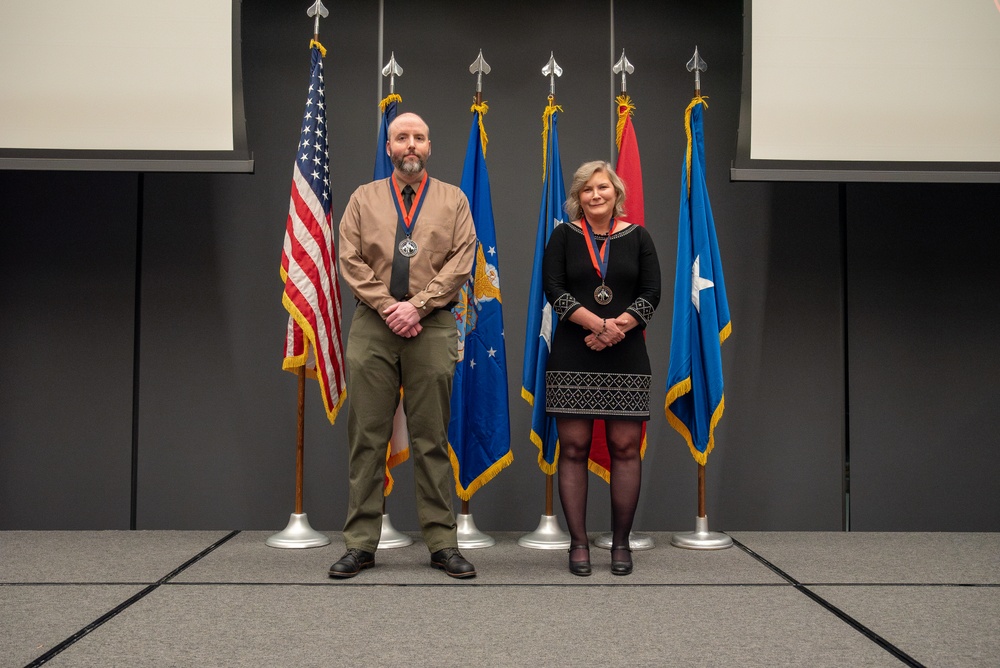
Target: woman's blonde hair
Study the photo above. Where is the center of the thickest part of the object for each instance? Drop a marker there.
(580, 178)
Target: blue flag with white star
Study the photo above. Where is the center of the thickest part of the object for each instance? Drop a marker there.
(479, 431)
(541, 323)
(695, 396)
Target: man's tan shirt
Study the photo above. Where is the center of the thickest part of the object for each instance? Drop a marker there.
(444, 233)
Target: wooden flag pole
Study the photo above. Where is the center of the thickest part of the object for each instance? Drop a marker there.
(701, 538)
(469, 535)
(298, 533)
(701, 490)
(548, 494)
(300, 440)
(548, 535)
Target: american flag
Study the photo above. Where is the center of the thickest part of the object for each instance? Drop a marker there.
(308, 258)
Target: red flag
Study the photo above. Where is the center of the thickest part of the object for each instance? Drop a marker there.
(629, 170)
(308, 258)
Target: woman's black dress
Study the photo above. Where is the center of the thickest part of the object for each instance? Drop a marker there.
(613, 383)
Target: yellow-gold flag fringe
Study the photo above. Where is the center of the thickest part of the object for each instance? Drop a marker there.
(698, 99)
(623, 114)
(482, 108)
(322, 49)
(387, 100)
(546, 121)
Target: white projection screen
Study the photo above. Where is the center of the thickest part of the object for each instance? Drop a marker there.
(870, 90)
(121, 85)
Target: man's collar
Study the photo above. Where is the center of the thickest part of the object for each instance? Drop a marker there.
(403, 182)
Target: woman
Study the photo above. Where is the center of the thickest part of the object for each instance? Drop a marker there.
(602, 278)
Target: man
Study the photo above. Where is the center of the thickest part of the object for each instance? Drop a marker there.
(407, 245)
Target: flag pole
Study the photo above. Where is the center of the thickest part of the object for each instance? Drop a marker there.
(469, 535)
(390, 537)
(548, 535)
(701, 538)
(300, 440)
(298, 533)
(636, 540)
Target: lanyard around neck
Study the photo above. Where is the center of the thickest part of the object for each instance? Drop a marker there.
(599, 256)
(408, 218)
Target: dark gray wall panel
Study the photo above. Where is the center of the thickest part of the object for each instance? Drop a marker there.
(786, 398)
(924, 299)
(218, 415)
(67, 294)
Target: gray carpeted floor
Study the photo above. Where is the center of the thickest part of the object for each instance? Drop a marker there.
(226, 599)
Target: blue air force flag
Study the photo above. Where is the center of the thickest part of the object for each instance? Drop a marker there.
(479, 431)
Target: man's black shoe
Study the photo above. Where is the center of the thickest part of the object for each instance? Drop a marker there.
(352, 563)
(451, 561)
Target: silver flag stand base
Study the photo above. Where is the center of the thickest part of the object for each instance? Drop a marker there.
(636, 541)
(701, 538)
(548, 536)
(390, 537)
(469, 536)
(298, 533)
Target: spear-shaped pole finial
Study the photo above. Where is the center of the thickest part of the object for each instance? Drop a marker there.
(479, 67)
(392, 70)
(697, 65)
(623, 67)
(552, 70)
(317, 10)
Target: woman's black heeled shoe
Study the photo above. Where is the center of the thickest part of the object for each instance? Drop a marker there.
(579, 567)
(621, 567)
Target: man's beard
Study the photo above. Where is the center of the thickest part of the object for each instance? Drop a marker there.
(408, 167)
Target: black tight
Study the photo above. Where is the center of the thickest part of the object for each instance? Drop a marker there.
(624, 444)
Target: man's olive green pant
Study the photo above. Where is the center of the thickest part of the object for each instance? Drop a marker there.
(378, 363)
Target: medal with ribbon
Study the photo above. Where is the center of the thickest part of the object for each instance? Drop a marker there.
(407, 219)
(599, 257)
